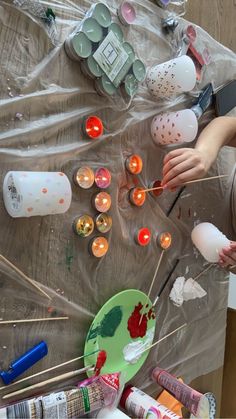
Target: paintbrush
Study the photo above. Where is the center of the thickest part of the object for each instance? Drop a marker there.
(61, 377)
(26, 278)
(186, 183)
(45, 319)
(50, 369)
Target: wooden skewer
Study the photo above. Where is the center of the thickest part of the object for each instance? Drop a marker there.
(202, 272)
(166, 282)
(187, 183)
(50, 381)
(45, 319)
(49, 369)
(165, 337)
(26, 278)
(152, 283)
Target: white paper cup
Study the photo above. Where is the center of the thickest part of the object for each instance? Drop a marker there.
(174, 127)
(209, 241)
(27, 194)
(172, 77)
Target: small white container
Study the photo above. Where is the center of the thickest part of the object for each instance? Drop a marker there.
(209, 241)
(27, 194)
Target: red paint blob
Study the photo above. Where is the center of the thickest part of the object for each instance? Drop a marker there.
(101, 359)
(93, 127)
(135, 329)
(143, 236)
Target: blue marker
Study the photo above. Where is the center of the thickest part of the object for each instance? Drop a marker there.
(26, 361)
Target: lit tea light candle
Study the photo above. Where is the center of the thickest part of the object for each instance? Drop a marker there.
(78, 46)
(156, 184)
(139, 70)
(164, 240)
(84, 177)
(103, 222)
(143, 236)
(105, 87)
(102, 202)
(134, 164)
(116, 29)
(126, 13)
(91, 28)
(83, 225)
(93, 127)
(137, 197)
(28, 194)
(99, 247)
(101, 14)
(102, 178)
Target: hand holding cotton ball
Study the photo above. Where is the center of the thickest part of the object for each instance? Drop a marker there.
(209, 241)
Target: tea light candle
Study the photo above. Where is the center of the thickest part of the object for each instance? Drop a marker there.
(143, 236)
(131, 85)
(84, 177)
(116, 29)
(103, 222)
(27, 194)
(90, 68)
(164, 240)
(126, 13)
(78, 46)
(209, 241)
(83, 225)
(129, 50)
(155, 184)
(137, 197)
(101, 14)
(134, 164)
(102, 202)
(99, 247)
(102, 178)
(105, 87)
(92, 29)
(139, 70)
(93, 127)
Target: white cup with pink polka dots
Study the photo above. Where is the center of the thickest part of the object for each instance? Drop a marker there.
(174, 128)
(27, 194)
(172, 77)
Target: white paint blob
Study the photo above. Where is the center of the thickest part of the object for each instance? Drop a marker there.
(133, 351)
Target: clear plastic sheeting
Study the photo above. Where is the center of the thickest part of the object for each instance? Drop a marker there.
(39, 82)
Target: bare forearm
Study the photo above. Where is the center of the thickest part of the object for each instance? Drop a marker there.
(221, 131)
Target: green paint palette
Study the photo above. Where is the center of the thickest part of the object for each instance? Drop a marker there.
(117, 330)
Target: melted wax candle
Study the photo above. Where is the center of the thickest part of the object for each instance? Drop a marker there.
(102, 202)
(134, 164)
(84, 177)
(93, 127)
(143, 236)
(102, 178)
(137, 196)
(99, 247)
(165, 240)
(83, 225)
(103, 223)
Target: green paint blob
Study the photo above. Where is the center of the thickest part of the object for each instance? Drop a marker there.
(110, 322)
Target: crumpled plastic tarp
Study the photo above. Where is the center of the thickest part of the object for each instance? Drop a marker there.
(53, 96)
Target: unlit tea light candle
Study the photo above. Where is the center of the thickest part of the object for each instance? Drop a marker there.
(117, 31)
(78, 46)
(209, 241)
(105, 87)
(90, 68)
(126, 13)
(139, 70)
(91, 28)
(84, 177)
(102, 178)
(101, 14)
(28, 194)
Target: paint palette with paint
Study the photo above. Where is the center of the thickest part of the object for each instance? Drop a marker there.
(116, 330)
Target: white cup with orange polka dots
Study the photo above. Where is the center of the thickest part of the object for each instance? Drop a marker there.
(174, 128)
(27, 194)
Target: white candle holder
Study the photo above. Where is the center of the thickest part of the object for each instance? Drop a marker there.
(27, 194)
(209, 241)
(172, 77)
(174, 127)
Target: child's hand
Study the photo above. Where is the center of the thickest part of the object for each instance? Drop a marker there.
(228, 256)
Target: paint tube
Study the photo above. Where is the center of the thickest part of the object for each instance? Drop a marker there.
(194, 401)
(139, 405)
(101, 392)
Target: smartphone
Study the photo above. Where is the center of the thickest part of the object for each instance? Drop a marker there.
(225, 98)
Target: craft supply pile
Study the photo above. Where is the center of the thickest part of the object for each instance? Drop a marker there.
(101, 255)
